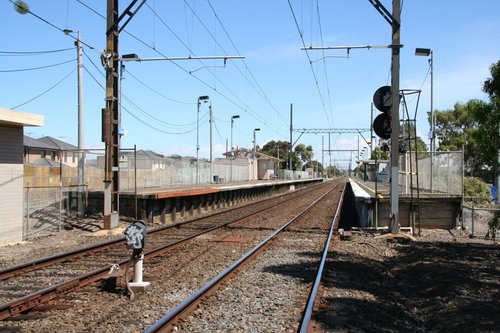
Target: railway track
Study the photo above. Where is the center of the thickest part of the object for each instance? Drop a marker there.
(296, 300)
(30, 285)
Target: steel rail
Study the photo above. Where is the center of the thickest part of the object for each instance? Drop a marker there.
(163, 324)
(39, 297)
(306, 319)
(65, 256)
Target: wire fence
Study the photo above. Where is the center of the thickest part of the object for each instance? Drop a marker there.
(46, 207)
(439, 173)
(433, 172)
(475, 220)
(57, 190)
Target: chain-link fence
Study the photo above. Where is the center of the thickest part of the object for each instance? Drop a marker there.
(57, 187)
(46, 207)
(432, 172)
(476, 221)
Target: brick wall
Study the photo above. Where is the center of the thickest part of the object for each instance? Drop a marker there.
(11, 184)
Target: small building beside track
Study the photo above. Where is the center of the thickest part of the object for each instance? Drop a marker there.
(12, 125)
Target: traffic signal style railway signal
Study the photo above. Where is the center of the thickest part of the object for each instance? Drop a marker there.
(382, 99)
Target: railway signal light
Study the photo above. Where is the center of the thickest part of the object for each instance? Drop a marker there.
(382, 99)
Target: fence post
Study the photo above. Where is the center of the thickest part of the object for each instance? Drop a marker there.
(472, 221)
(27, 221)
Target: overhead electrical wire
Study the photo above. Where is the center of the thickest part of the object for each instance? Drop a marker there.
(156, 91)
(258, 87)
(35, 68)
(218, 133)
(249, 111)
(33, 53)
(136, 106)
(46, 91)
(310, 64)
(324, 63)
(263, 121)
(156, 119)
(176, 64)
(28, 11)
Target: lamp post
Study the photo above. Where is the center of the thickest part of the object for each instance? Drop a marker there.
(205, 99)
(232, 147)
(254, 143)
(427, 53)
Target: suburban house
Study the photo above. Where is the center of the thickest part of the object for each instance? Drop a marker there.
(261, 166)
(141, 159)
(49, 151)
(12, 125)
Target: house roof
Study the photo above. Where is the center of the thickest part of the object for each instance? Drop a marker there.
(47, 142)
(248, 153)
(145, 153)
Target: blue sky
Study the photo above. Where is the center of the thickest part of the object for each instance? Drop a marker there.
(159, 108)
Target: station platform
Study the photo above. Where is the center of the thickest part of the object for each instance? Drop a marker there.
(167, 204)
(417, 210)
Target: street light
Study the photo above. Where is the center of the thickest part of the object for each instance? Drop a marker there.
(254, 143)
(205, 99)
(232, 149)
(427, 53)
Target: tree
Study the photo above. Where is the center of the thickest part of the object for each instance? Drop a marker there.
(474, 127)
(304, 154)
(277, 149)
(492, 87)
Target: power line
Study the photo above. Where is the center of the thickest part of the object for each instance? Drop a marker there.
(27, 10)
(35, 68)
(43, 93)
(155, 91)
(29, 53)
(259, 90)
(252, 113)
(92, 76)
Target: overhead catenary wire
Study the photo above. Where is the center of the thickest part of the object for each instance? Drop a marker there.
(324, 62)
(310, 64)
(156, 91)
(245, 109)
(258, 87)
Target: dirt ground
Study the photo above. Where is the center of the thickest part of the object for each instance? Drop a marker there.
(442, 281)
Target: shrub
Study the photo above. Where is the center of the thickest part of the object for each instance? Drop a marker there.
(477, 189)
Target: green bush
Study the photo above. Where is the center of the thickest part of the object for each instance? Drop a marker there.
(477, 189)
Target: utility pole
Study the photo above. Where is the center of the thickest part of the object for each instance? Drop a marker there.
(291, 130)
(110, 114)
(81, 154)
(110, 119)
(323, 153)
(211, 142)
(396, 44)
